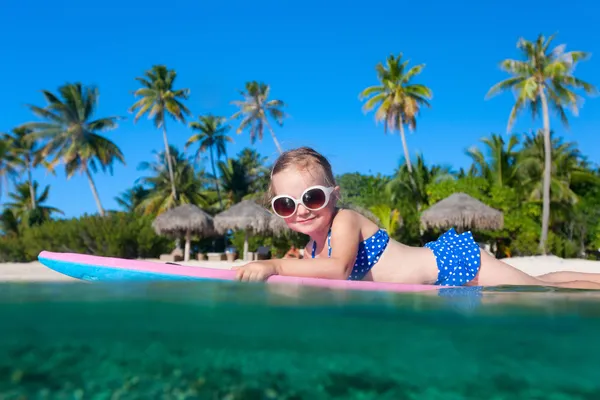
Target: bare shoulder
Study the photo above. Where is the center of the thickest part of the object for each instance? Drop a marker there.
(354, 222)
(345, 219)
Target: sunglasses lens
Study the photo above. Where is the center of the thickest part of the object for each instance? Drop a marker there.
(314, 198)
(284, 206)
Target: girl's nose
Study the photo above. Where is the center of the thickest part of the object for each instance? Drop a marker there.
(302, 210)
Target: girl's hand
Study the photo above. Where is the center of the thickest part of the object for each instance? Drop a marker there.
(255, 271)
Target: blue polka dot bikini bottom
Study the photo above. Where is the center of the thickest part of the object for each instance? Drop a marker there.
(458, 258)
(369, 251)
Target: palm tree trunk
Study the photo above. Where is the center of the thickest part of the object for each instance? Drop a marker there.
(30, 182)
(274, 137)
(405, 146)
(212, 162)
(94, 192)
(547, 174)
(407, 158)
(169, 161)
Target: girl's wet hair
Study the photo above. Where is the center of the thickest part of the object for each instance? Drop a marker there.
(303, 158)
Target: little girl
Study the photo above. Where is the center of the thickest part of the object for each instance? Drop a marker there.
(346, 245)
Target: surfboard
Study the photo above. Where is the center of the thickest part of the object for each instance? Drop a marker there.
(108, 269)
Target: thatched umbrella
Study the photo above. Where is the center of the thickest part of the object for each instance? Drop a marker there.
(278, 225)
(463, 212)
(186, 219)
(248, 216)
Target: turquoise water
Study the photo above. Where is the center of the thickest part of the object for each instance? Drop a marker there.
(252, 341)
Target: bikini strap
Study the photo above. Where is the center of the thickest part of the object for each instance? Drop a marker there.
(314, 246)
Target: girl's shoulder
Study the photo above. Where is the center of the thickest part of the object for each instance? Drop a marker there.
(343, 216)
(350, 219)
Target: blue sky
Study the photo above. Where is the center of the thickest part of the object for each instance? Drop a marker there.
(316, 55)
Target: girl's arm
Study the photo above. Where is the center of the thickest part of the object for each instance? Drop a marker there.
(345, 235)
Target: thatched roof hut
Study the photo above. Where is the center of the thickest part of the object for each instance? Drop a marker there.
(278, 225)
(185, 220)
(250, 217)
(246, 215)
(462, 212)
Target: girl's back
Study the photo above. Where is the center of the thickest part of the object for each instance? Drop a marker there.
(399, 262)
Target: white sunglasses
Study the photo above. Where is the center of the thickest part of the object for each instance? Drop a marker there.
(313, 198)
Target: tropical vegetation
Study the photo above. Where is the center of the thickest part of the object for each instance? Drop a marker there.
(159, 100)
(542, 79)
(544, 184)
(398, 101)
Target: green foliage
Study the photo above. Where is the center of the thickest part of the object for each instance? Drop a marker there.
(520, 233)
(116, 235)
(410, 230)
(235, 180)
(389, 218)
(542, 79)
(362, 190)
(12, 249)
(473, 186)
(157, 198)
(254, 241)
(562, 246)
(595, 242)
(258, 173)
(21, 203)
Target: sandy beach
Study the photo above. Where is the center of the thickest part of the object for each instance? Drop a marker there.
(538, 265)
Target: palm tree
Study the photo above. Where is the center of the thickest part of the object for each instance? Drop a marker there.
(9, 224)
(255, 166)
(8, 163)
(130, 199)
(212, 134)
(570, 172)
(398, 101)
(543, 78)
(234, 180)
(159, 99)
(411, 187)
(567, 169)
(26, 154)
(22, 206)
(68, 135)
(255, 110)
(500, 167)
(190, 184)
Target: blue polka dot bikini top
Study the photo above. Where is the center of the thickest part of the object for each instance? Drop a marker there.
(369, 251)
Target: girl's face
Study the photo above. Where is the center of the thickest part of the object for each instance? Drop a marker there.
(293, 182)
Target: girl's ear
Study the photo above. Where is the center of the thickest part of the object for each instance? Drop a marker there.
(337, 193)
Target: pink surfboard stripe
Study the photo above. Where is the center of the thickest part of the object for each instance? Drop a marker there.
(224, 274)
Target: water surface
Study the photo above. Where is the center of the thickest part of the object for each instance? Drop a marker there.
(254, 341)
